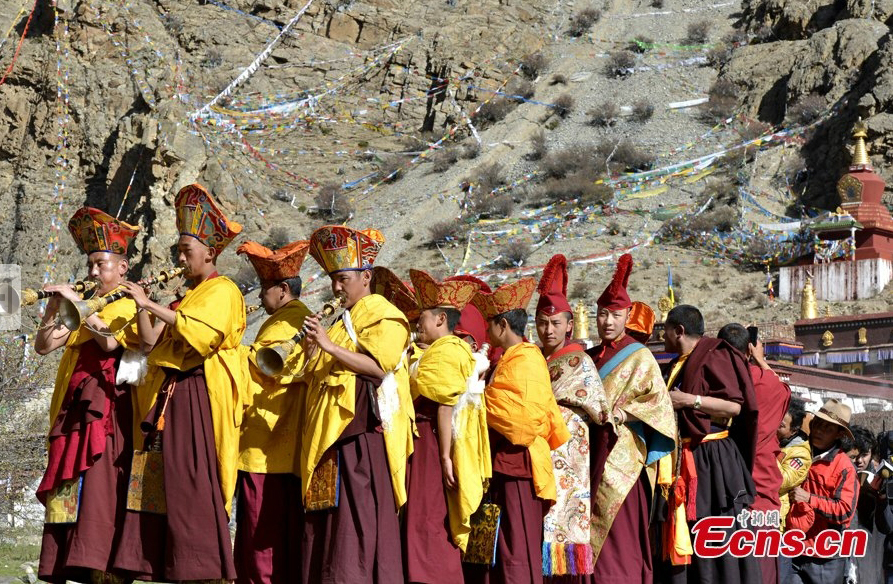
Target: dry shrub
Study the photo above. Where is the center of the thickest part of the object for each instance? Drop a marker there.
(582, 21)
(698, 32)
(722, 101)
(443, 232)
(533, 64)
(443, 159)
(620, 63)
(245, 278)
(657, 3)
(807, 109)
(520, 90)
(279, 237)
(470, 149)
(538, 147)
(494, 111)
(604, 114)
(642, 110)
(488, 177)
(580, 185)
(625, 156)
(558, 79)
(571, 160)
(721, 218)
(515, 254)
(564, 105)
(390, 169)
(419, 143)
(641, 44)
(333, 204)
(487, 205)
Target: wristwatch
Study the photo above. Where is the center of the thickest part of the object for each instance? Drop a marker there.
(697, 404)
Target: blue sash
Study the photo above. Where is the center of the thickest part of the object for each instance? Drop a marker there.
(658, 446)
(615, 361)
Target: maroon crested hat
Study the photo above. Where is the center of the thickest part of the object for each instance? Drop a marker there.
(615, 296)
(553, 288)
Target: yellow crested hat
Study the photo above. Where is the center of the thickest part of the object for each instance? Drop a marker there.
(278, 265)
(338, 247)
(450, 293)
(199, 216)
(94, 230)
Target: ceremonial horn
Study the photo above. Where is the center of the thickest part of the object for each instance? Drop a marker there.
(271, 359)
(72, 314)
(31, 296)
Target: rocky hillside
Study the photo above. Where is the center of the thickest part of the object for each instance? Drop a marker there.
(480, 136)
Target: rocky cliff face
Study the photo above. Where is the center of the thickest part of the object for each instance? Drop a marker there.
(825, 54)
(130, 74)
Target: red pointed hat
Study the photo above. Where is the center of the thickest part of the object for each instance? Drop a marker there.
(615, 296)
(553, 288)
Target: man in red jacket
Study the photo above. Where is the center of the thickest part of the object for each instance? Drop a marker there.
(827, 499)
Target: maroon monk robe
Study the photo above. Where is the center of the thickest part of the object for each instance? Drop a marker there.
(91, 436)
(519, 546)
(426, 532)
(626, 555)
(192, 541)
(359, 540)
(725, 485)
(270, 524)
(773, 397)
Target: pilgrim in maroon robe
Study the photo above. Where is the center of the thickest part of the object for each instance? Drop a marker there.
(724, 466)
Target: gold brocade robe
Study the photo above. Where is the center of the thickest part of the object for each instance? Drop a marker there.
(442, 376)
(271, 426)
(118, 316)
(636, 387)
(522, 408)
(210, 322)
(383, 333)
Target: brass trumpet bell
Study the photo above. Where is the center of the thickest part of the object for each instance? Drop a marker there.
(271, 360)
(72, 314)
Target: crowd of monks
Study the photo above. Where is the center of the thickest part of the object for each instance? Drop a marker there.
(420, 437)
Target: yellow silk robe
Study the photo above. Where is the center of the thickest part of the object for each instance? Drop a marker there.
(210, 322)
(636, 387)
(272, 422)
(442, 376)
(522, 408)
(116, 315)
(383, 333)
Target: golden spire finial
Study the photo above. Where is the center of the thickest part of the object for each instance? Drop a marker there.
(581, 321)
(808, 305)
(860, 156)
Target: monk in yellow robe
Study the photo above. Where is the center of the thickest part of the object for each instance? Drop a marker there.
(525, 426)
(358, 429)
(269, 521)
(89, 441)
(191, 403)
(450, 463)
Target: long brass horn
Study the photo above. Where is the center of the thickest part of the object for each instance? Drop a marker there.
(251, 308)
(271, 359)
(31, 296)
(72, 314)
